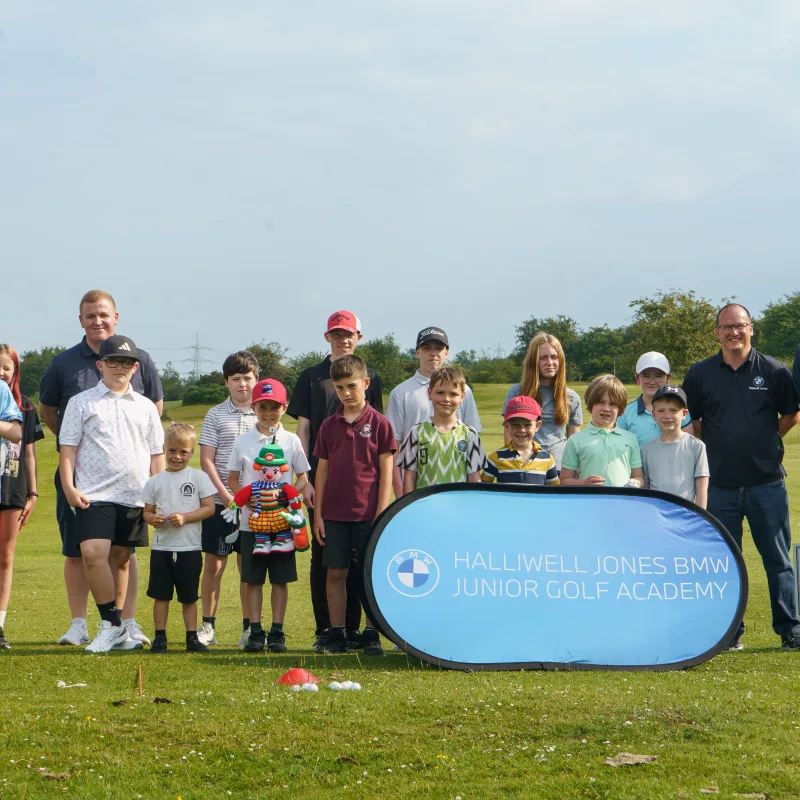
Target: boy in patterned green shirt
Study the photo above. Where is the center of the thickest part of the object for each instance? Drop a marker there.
(442, 449)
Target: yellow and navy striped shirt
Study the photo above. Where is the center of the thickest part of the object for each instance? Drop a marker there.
(506, 466)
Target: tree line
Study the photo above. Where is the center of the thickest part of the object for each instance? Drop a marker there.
(679, 324)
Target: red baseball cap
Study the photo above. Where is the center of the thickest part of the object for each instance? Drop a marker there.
(522, 406)
(344, 321)
(270, 389)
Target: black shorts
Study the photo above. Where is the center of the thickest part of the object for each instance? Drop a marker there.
(4, 507)
(178, 571)
(281, 567)
(215, 529)
(122, 525)
(343, 540)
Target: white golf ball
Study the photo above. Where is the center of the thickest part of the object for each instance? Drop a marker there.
(334, 686)
(347, 684)
(310, 687)
(356, 687)
(296, 687)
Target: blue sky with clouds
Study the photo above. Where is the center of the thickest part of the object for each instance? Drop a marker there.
(242, 171)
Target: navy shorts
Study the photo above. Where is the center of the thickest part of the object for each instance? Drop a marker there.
(178, 571)
(343, 540)
(215, 529)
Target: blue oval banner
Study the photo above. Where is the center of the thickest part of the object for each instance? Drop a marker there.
(471, 576)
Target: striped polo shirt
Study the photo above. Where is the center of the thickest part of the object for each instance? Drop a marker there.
(506, 466)
(223, 425)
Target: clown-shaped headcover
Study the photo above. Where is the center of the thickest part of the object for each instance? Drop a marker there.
(271, 455)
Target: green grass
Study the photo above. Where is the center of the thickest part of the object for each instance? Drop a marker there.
(413, 731)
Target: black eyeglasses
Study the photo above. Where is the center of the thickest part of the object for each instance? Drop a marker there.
(739, 327)
(126, 363)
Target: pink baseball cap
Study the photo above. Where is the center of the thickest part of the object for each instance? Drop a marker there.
(270, 389)
(523, 406)
(344, 321)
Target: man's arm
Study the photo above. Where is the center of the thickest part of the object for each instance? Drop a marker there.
(786, 422)
(12, 431)
(384, 481)
(697, 429)
(304, 434)
(49, 415)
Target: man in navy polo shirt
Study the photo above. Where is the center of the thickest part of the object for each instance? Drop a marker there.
(314, 400)
(71, 372)
(742, 404)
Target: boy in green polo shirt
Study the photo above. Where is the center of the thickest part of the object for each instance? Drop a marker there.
(603, 454)
(442, 449)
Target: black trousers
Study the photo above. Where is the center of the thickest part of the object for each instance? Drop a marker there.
(318, 577)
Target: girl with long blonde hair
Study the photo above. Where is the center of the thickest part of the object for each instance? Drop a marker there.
(544, 377)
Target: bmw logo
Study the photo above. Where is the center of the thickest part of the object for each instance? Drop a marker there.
(413, 573)
(758, 381)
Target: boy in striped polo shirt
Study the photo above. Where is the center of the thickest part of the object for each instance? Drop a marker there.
(522, 460)
(222, 426)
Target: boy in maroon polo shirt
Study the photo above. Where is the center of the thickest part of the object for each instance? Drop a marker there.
(353, 486)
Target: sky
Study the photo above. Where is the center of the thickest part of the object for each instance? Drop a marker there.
(236, 173)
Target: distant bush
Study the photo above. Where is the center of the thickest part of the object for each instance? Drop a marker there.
(209, 394)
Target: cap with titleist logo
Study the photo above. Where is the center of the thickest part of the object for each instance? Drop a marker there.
(118, 347)
(270, 389)
(522, 406)
(671, 391)
(432, 335)
(344, 321)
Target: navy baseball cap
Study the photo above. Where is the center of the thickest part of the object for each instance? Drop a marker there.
(432, 334)
(119, 347)
(671, 391)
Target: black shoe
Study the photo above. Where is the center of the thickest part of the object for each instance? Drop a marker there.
(735, 644)
(791, 640)
(159, 645)
(319, 641)
(355, 641)
(276, 641)
(256, 641)
(194, 645)
(4, 643)
(334, 642)
(372, 642)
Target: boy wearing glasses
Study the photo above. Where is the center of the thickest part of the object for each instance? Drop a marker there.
(111, 443)
(652, 372)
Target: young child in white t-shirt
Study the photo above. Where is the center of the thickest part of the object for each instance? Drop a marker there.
(175, 504)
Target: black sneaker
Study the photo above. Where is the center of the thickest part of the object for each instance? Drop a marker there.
(276, 641)
(355, 641)
(791, 640)
(256, 641)
(735, 644)
(372, 642)
(335, 641)
(159, 645)
(319, 642)
(194, 645)
(4, 643)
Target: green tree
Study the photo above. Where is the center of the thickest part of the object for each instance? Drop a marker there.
(779, 327)
(679, 324)
(565, 329)
(204, 394)
(172, 382)
(388, 360)
(33, 364)
(271, 360)
(600, 350)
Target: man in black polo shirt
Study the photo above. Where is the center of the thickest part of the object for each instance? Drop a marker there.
(742, 404)
(313, 401)
(70, 373)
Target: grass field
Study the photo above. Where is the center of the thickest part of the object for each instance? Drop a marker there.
(729, 726)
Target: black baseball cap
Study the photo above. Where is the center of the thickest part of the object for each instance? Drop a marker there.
(119, 346)
(432, 335)
(671, 391)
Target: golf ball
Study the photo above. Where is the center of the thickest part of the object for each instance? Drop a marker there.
(333, 685)
(347, 684)
(356, 687)
(310, 687)
(296, 687)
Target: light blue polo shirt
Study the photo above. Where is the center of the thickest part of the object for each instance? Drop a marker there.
(9, 412)
(610, 454)
(640, 422)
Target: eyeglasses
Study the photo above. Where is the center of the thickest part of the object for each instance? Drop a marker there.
(125, 363)
(652, 377)
(739, 327)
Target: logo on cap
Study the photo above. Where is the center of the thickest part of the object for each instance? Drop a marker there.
(266, 388)
(124, 346)
(338, 317)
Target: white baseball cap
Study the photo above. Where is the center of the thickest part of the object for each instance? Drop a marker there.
(654, 360)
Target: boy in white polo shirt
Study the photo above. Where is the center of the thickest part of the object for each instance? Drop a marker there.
(111, 443)
(176, 502)
(409, 403)
(279, 563)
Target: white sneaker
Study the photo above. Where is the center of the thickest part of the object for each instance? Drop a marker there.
(135, 632)
(77, 634)
(107, 636)
(127, 643)
(206, 633)
(244, 638)
(283, 545)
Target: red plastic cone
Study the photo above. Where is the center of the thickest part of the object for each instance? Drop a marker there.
(295, 676)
